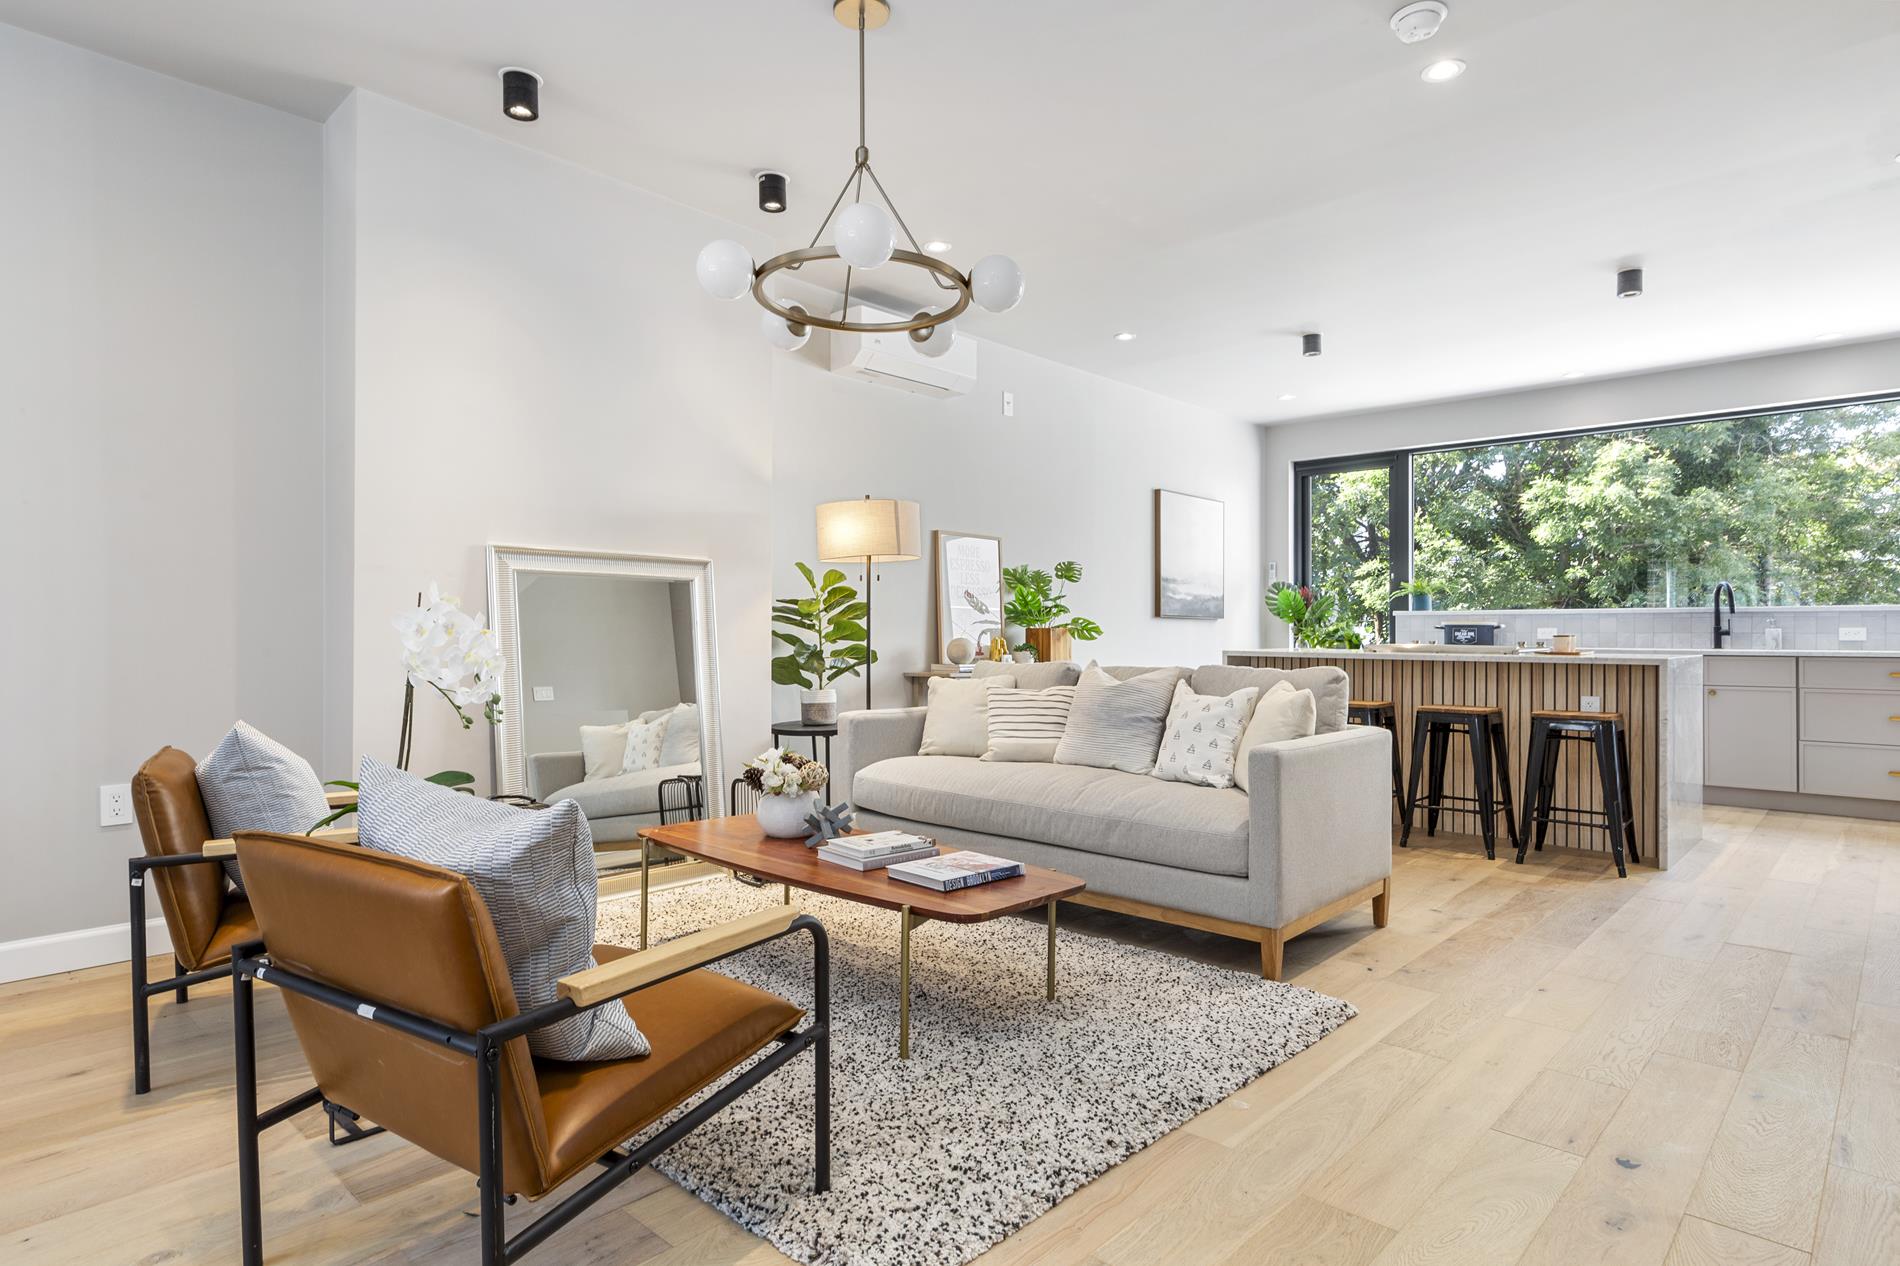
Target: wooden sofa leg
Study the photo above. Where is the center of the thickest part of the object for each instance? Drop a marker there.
(1382, 905)
(1272, 953)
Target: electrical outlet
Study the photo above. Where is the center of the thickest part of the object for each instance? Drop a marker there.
(544, 694)
(1544, 635)
(1592, 703)
(115, 804)
(1853, 635)
(1009, 404)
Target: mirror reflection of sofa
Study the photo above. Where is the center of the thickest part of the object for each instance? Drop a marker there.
(619, 795)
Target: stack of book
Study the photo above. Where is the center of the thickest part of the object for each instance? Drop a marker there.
(870, 852)
(956, 870)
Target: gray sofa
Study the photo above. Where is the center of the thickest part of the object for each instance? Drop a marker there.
(1311, 840)
(616, 807)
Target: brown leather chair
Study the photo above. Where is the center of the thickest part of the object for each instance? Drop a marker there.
(395, 984)
(204, 917)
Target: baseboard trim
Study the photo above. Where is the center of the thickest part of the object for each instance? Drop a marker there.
(1803, 802)
(83, 947)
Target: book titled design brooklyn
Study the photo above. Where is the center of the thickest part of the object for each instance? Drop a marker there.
(956, 870)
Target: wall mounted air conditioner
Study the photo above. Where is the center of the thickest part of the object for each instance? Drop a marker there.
(894, 361)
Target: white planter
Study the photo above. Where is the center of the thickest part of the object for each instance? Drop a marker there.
(818, 707)
(783, 817)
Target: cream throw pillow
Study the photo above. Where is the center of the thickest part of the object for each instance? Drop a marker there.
(1202, 735)
(1282, 713)
(603, 750)
(956, 721)
(645, 742)
(682, 736)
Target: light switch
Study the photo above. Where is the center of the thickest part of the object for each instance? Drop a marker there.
(1853, 635)
(544, 694)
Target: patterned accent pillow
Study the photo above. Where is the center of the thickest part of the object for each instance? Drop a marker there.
(1117, 724)
(1202, 736)
(1027, 725)
(251, 782)
(645, 743)
(534, 869)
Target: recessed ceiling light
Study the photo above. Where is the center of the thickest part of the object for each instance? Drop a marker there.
(1126, 336)
(936, 246)
(1442, 72)
(1289, 396)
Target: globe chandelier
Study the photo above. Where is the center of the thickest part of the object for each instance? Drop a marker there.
(864, 237)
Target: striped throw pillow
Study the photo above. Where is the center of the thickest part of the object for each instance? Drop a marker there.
(1117, 724)
(534, 869)
(1026, 725)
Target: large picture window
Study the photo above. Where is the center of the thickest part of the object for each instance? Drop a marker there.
(1800, 507)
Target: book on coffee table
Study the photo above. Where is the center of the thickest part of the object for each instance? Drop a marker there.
(879, 844)
(956, 870)
(828, 853)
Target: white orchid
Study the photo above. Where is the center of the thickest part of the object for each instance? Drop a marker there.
(777, 772)
(449, 650)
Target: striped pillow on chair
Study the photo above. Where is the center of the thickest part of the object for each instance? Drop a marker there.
(1026, 725)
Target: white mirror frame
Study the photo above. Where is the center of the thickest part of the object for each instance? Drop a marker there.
(507, 562)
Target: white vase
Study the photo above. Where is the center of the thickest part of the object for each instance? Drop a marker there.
(783, 817)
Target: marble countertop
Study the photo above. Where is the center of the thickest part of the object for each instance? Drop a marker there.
(1499, 654)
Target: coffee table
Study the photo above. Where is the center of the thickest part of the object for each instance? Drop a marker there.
(738, 843)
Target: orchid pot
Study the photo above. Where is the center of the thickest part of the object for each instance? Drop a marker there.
(783, 817)
(818, 707)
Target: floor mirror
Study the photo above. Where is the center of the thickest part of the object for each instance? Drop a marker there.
(610, 694)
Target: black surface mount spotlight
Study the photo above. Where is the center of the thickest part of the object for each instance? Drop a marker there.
(1309, 344)
(520, 94)
(771, 191)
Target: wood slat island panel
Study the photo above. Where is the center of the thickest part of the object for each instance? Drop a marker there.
(1660, 708)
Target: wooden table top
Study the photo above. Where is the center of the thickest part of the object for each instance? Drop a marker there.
(737, 842)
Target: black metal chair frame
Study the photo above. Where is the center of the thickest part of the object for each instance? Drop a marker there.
(682, 794)
(144, 989)
(1433, 727)
(1385, 717)
(1607, 740)
(250, 962)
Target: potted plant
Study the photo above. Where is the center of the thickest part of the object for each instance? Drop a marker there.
(788, 785)
(1041, 610)
(824, 638)
(1314, 617)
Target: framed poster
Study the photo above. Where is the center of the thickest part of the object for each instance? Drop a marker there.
(1190, 557)
(969, 589)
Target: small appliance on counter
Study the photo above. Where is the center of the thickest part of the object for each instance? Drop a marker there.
(1470, 634)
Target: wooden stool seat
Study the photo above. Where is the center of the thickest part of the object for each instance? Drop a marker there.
(1603, 731)
(1433, 724)
(1369, 705)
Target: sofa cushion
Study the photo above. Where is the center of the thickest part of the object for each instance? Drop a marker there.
(956, 722)
(682, 735)
(622, 794)
(251, 782)
(1281, 715)
(603, 749)
(645, 741)
(1202, 736)
(1027, 725)
(1330, 686)
(1128, 672)
(1116, 724)
(1074, 806)
(1032, 676)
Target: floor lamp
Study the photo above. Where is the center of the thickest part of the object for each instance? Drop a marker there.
(874, 530)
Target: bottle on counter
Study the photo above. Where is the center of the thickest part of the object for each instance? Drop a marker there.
(1771, 635)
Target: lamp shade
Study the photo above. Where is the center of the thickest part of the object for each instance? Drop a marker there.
(876, 528)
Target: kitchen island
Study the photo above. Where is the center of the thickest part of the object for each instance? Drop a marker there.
(1659, 694)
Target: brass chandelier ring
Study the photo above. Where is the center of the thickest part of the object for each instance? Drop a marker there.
(812, 254)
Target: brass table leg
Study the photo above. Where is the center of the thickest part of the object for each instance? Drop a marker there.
(646, 852)
(903, 983)
(1051, 991)
(788, 895)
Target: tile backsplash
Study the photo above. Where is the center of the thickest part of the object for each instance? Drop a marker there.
(1677, 628)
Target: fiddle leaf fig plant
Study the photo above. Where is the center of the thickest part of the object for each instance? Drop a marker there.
(823, 637)
(1035, 601)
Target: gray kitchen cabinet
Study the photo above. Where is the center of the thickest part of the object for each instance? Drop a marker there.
(1748, 736)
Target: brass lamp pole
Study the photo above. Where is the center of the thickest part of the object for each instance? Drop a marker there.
(870, 531)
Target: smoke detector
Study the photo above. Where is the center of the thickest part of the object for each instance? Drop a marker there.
(1416, 23)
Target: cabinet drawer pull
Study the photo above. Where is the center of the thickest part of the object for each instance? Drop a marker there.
(1893, 674)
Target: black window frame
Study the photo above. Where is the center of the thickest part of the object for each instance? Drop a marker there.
(1398, 462)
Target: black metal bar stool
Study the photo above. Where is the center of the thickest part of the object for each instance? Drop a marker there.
(1483, 725)
(1380, 712)
(1603, 731)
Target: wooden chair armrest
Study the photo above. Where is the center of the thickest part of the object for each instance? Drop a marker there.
(624, 975)
(228, 848)
(340, 798)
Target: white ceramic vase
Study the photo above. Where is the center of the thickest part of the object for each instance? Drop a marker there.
(783, 817)
(818, 707)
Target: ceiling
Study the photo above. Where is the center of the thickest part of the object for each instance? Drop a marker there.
(1215, 177)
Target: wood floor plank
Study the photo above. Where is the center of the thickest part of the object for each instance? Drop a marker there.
(1718, 1024)
(1486, 1211)
(1765, 1171)
(1562, 1000)
(1305, 1232)
(1700, 1243)
(1821, 985)
(1867, 1127)
(1615, 1043)
(1623, 1207)
(1860, 1221)
(1563, 1112)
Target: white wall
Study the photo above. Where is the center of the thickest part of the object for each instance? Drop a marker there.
(1071, 476)
(534, 364)
(1760, 383)
(161, 336)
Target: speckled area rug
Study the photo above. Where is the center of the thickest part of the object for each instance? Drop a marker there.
(1008, 1102)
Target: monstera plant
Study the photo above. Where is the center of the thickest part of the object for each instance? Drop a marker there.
(1315, 618)
(1039, 605)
